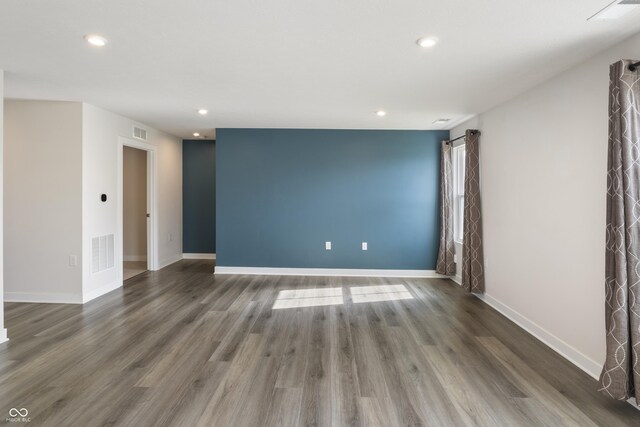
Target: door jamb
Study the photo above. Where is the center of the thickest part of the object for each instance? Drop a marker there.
(152, 202)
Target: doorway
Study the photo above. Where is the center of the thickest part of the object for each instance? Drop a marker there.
(134, 212)
(151, 202)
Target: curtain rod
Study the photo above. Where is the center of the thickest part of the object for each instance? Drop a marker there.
(449, 141)
(634, 66)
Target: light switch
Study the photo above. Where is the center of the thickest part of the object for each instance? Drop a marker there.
(364, 246)
(73, 260)
(327, 245)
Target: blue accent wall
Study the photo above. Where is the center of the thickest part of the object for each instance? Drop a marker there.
(281, 193)
(199, 196)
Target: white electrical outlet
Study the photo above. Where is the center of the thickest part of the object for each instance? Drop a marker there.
(73, 260)
(455, 257)
(169, 237)
(364, 246)
(327, 246)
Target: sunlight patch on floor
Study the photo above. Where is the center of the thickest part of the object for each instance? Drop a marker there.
(361, 294)
(317, 297)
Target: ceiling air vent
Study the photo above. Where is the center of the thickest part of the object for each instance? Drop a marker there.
(139, 133)
(615, 10)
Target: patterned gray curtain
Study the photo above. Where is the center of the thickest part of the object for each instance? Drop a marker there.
(472, 253)
(621, 374)
(445, 263)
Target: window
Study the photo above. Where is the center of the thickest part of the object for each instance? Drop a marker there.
(458, 191)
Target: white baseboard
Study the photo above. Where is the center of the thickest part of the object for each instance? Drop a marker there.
(3, 336)
(198, 256)
(347, 272)
(457, 279)
(49, 298)
(135, 257)
(88, 296)
(167, 262)
(565, 350)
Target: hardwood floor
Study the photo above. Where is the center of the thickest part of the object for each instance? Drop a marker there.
(133, 268)
(182, 347)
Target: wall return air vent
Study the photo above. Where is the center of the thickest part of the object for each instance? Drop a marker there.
(139, 133)
(102, 253)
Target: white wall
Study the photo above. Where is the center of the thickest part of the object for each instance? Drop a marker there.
(170, 198)
(59, 157)
(135, 204)
(42, 201)
(544, 159)
(3, 330)
(101, 130)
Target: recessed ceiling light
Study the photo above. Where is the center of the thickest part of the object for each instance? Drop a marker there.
(381, 113)
(196, 134)
(95, 40)
(441, 121)
(427, 41)
(615, 10)
(202, 112)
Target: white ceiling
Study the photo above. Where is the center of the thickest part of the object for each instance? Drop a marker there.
(295, 63)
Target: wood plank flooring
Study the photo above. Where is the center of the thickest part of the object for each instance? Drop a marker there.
(180, 347)
(133, 268)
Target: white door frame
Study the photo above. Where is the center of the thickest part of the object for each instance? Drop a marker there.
(152, 202)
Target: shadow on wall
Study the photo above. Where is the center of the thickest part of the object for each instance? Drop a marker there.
(199, 196)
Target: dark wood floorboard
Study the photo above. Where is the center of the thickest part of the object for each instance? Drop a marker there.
(182, 347)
